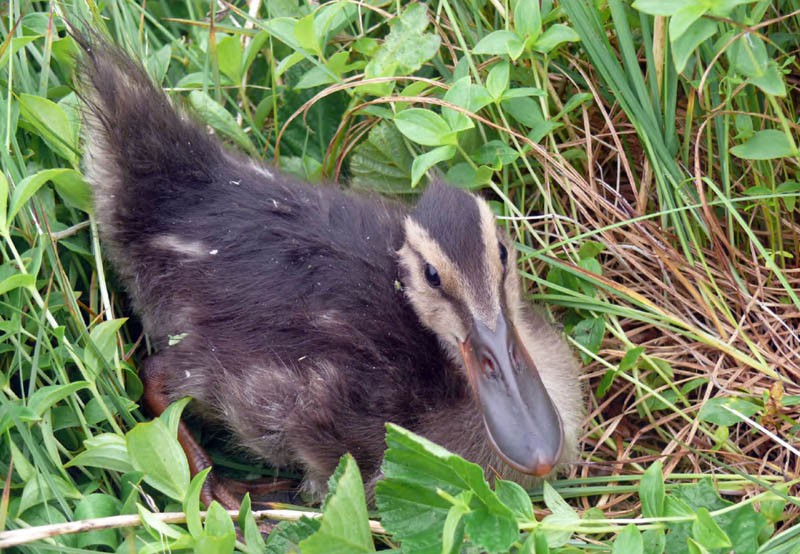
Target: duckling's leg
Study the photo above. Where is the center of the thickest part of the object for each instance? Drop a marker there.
(155, 375)
(156, 399)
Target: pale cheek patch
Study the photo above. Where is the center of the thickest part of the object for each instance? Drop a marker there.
(512, 285)
(420, 240)
(434, 312)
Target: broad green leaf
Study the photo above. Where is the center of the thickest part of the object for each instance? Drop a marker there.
(49, 121)
(460, 95)
(282, 28)
(405, 48)
(103, 344)
(630, 358)
(695, 548)
(771, 80)
(556, 503)
(229, 57)
(516, 498)
(500, 43)
(743, 526)
(157, 453)
(589, 333)
(659, 7)
(592, 266)
(158, 63)
(527, 20)
(331, 72)
(286, 537)
(676, 507)
(16, 44)
(651, 491)
(558, 528)
(682, 19)
(714, 410)
(219, 535)
(43, 488)
(554, 36)
(536, 543)
(627, 362)
(157, 527)
(495, 534)
(247, 524)
(17, 281)
(748, 55)
(331, 18)
(424, 162)
(287, 63)
(542, 129)
(654, 541)
(28, 187)
(722, 8)
(497, 81)
(629, 541)
(522, 92)
(220, 119)
(345, 524)
(560, 524)
(199, 79)
(465, 176)
(424, 127)
(772, 506)
(253, 48)
(106, 451)
(692, 37)
(22, 467)
(74, 190)
(414, 468)
(304, 33)
(453, 530)
(191, 503)
(590, 249)
(575, 101)
(495, 153)
(95, 506)
(172, 415)
(706, 531)
(382, 162)
(525, 110)
(47, 396)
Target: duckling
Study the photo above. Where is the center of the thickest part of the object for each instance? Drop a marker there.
(301, 318)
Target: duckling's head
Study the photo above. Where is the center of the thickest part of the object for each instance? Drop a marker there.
(459, 273)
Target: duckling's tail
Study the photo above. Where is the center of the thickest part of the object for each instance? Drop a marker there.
(141, 155)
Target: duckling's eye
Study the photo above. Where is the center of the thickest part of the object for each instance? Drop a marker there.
(503, 253)
(432, 276)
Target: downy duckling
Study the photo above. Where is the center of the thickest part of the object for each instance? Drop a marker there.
(308, 316)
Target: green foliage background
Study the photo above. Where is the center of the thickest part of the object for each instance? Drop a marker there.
(644, 155)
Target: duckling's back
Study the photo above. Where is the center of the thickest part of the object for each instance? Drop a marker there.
(184, 221)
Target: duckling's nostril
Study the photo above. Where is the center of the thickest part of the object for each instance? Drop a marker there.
(516, 361)
(489, 365)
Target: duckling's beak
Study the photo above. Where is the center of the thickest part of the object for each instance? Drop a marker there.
(523, 424)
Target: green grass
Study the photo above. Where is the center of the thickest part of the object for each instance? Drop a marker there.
(644, 157)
